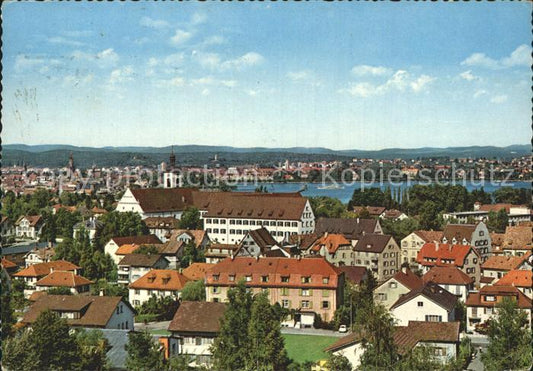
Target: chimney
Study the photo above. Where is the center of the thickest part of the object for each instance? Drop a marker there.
(357, 220)
(437, 246)
(101, 292)
(299, 257)
(404, 269)
(326, 234)
(257, 258)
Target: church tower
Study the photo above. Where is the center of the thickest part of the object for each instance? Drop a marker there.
(171, 177)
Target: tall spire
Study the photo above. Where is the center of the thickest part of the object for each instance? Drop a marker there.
(172, 159)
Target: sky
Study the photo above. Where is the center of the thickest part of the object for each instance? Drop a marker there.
(361, 75)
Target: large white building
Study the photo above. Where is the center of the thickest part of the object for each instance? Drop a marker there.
(227, 216)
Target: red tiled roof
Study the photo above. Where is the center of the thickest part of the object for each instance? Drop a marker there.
(8, 264)
(502, 263)
(274, 268)
(197, 271)
(43, 269)
(375, 243)
(518, 278)
(433, 292)
(33, 219)
(352, 273)
(63, 279)
(127, 249)
(161, 279)
(163, 199)
(497, 207)
(351, 228)
(408, 279)
(406, 337)
(303, 241)
(331, 242)
(474, 299)
(447, 276)
(197, 317)
(443, 251)
(518, 237)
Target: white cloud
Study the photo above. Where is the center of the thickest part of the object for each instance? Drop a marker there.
(400, 81)
(177, 81)
(152, 62)
(198, 18)
(479, 93)
(521, 56)
(498, 99)
(363, 69)
(108, 55)
(24, 62)
(205, 92)
(251, 92)
(77, 80)
(247, 60)
(229, 83)
(304, 76)
(175, 59)
(63, 41)
(214, 40)
(211, 81)
(105, 58)
(468, 76)
(421, 82)
(157, 24)
(207, 60)
(180, 37)
(121, 75)
(208, 80)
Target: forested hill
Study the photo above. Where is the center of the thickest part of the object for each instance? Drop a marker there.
(57, 155)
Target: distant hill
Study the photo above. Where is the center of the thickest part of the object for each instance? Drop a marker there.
(52, 155)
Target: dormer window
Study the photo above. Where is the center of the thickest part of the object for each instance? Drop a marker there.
(216, 277)
(248, 278)
(284, 279)
(232, 278)
(264, 278)
(306, 279)
(325, 280)
(490, 298)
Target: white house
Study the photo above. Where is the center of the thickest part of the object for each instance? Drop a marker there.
(64, 279)
(521, 279)
(159, 283)
(194, 329)
(430, 303)
(482, 305)
(37, 256)
(451, 279)
(115, 243)
(29, 226)
(412, 243)
(162, 227)
(396, 286)
(34, 273)
(91, 226)
(105, 312)
(134, 266)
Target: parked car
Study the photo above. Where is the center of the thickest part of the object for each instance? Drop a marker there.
(342, 328)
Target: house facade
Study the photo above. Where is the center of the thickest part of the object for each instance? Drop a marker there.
(309, 286)
(32, 274)
(29, 226)
(37, 256)
(112, 246)
(412, 243)
(451, 279)
(159, 283)
(77, 285)
(134, 266)
(336, 248)
(379, 253)
(475, 235)
(396, 286)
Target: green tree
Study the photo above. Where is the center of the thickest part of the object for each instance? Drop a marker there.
(368, 197)
(190, 219)
(509, 339)
(119, 224)
(163, 307)
(266, 345)
(338, 363)
(93, 350)
(62, 290)
(18, 354)
(429, 216)
(399, 229)
(420, 358)
(326, 207)
(143, 352)
(193, 291)
(147, 250)
(7, 307)
(191, 254)
(515, 196)
(498, 221)
(109, 289)
(230, 348)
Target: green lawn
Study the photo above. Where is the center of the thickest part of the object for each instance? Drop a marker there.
(303, 348)
(159, 332)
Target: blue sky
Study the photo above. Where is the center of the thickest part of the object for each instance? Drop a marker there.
(339, 75)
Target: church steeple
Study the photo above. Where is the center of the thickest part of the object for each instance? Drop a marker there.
(172, 159)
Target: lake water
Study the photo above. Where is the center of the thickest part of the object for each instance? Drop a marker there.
(344, 194)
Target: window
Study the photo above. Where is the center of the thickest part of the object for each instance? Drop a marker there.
(433, 318)
(306, 279)
(245, 222)
(232, 221)
(295, 224)
(137, 292)
(284, 291)
(264, 278)
(382, 296)
(285, 279)
(231, 277)
(223, 231)
(222, 221)
(239, 222)
(325, 280)
(216, 290)
(216, 277)
(215, 230)
(481, 233)
(285, 303)
(490, 298)
(325, 304)
(437, 351)
(306, 304)
(198, 341)
(393, 285)
(420, 304)
(280, 224)
(248, 278)
(305, 292)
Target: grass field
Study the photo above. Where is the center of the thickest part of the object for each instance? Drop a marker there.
(159, 332)
(303, 348)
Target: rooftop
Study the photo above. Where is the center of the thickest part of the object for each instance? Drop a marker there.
(198, 317)
(161, 279)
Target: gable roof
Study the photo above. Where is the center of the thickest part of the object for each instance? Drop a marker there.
(350, 228)
(127, 249)
(447, 276)
(198, 235)
(262, 238)
(429, 236)
(150, 239)
(168, 222)
(141, 260)
(520, 237)
(171, 247)
(518, 278)
(32, 219)
(8, 264)
(497, 207)
(63, 279)
(44, 253)
(406, 337)
(497, 238)
(372, 242)
(96, 310)
(161, 279)
(503, 263)
(372, 210)
(42, 269)
(433, 292)
(331, 242)
(443, 251)
(198, 316)
(197, 271)
(303, 241)
(474, 299)
(408, 279)
(163, 199)
(459, 232)
(355, 274)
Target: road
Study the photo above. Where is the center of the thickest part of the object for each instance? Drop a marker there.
(478, 341)
(163, 325)
(311, 331)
